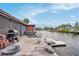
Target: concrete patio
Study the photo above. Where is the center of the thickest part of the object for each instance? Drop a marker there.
(31, 47)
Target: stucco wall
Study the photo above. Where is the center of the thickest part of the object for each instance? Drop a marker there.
(6, 24)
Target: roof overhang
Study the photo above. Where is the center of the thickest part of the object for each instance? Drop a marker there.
(30, 25)
(10, 17)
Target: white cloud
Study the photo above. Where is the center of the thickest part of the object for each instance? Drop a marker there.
(54, 11)
(31, 11)
(32, 21)
(63, 7)
(72, 16)
(34, 12)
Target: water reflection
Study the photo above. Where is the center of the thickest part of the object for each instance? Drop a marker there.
(72, 44)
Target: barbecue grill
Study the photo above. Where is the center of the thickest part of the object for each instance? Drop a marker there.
(12, 35)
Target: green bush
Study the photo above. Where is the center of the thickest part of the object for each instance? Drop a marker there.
(63, 30)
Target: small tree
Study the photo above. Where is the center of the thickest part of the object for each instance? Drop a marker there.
(26, 20)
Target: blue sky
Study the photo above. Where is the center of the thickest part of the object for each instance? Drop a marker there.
(42, 14)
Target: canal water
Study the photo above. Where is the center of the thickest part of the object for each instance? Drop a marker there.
(72, 44)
